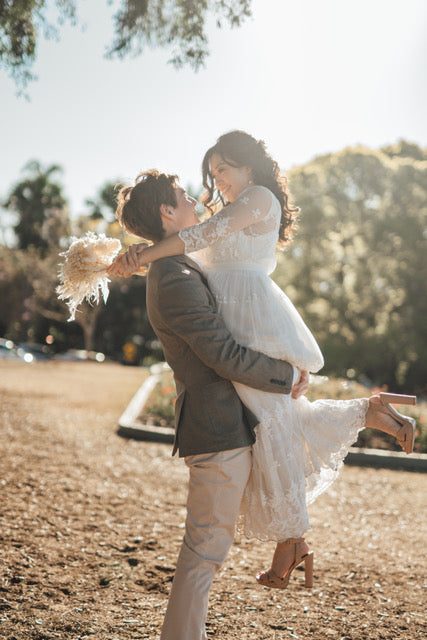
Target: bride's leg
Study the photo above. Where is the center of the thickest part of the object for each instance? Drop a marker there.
(287, 556)
(284, 556)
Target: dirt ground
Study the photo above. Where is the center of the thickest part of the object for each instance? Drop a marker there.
(91, 524)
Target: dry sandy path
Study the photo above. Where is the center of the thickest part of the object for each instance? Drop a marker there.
(90, 526)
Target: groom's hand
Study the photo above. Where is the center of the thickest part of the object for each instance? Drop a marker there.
(301, 386)
(126, 264)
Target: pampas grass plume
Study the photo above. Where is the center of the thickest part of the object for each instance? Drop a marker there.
(83, 273)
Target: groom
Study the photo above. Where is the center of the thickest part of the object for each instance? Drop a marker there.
(214, 430)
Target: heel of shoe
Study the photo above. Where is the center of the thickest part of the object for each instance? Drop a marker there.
(406, 433)
(397, 398)
(308, 569)
(407, 437)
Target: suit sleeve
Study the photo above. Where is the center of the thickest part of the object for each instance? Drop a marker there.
(193, 317)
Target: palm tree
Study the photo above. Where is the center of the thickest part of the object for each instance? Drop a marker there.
(41, 208)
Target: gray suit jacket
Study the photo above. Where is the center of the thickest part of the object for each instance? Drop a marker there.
(204, 357)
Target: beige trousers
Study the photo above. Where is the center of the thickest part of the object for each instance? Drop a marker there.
(216, 485)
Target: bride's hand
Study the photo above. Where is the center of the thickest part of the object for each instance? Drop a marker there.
(301, 386)
(135, 252)
(128, 263)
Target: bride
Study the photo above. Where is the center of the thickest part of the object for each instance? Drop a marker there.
(300, 445)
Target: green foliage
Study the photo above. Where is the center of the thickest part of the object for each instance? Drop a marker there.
(30, 309)
(27, 285)
(176, 24)
(20, 24)
(103, 206)
(42, 216)
(160, 406)
(124, 320)
(357, 268)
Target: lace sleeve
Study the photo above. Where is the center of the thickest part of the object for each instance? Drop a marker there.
(253, 208)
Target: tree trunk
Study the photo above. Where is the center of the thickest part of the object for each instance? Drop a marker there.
(87, 320)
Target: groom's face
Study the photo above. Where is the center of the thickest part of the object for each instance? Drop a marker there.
(185, 210)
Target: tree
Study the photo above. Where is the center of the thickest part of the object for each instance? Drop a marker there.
(103, 206)
(30, 307)
(20, 24)
(176, 24)
(357, 268)
(180, 23)
(40, 208)
(100, 217)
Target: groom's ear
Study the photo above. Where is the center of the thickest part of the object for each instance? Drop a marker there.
(166, 212)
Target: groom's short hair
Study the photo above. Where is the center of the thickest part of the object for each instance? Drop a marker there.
(138, 207)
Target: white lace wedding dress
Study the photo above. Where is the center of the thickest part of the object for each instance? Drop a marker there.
(300, 445)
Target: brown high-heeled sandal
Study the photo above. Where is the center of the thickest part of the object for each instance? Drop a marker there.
(273, 581)
(405, 434)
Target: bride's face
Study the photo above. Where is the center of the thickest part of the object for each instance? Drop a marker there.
(231, 181)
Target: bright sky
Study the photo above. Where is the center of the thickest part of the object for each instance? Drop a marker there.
(307, 76)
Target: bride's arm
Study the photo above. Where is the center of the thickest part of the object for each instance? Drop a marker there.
(139, 254)
(143, 254)
(251, 207)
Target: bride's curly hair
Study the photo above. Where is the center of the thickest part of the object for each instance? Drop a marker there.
(239, 149)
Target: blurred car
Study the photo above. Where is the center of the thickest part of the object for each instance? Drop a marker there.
(31, 351)
(8, 350)
(80, 355)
